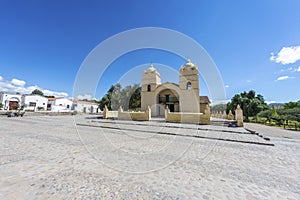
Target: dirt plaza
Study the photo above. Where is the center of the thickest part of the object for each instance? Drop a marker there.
(83, 157)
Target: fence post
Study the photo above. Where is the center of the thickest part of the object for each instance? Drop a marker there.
(105, 112)
(239, 116)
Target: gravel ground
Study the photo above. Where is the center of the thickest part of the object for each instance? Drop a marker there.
(48, 157)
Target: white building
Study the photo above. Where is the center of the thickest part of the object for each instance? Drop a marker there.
(85, 106)
(37, 102)
(59, 104)
(34, 102)
(9, 101)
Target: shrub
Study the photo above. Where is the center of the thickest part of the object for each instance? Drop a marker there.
(16, 106)
(39, 108)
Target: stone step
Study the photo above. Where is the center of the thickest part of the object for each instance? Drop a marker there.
(230, 123)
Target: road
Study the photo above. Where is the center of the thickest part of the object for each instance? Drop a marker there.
(271, 131)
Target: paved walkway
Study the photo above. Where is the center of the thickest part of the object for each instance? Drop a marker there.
(237, 134)
(273, 131)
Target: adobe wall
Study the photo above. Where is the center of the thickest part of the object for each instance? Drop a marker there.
(109, 114)
(194, 118)
(135, 116)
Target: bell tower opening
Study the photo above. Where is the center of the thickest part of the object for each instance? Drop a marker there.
(188, 86)
(149, 88)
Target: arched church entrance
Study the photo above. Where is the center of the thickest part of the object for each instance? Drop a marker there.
(167, 95)
(168, 98)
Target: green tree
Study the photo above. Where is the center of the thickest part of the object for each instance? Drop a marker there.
(128, 97)
(219, 108)
(274, 113)
(1, 105)
(135, 99)
(104, 102)
(39, 108)
(265, 114)
(290, 114)
(16, 106)
(115, 96)
(50, 96)
(38, 92)
(281, 116)
(291, 105)
(250, 103)
(111, 98)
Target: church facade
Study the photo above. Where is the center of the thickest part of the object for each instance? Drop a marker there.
(183, 97)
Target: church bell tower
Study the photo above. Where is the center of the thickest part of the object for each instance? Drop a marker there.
(150, 81)
(189, 85)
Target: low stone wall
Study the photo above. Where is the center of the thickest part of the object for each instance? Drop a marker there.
(120, 114)
(238, 116)
(109, 114)
(48, 113)
(194, 118)
(223, 115)
(135, 116)
(38, 113)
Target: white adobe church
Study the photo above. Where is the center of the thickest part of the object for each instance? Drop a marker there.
(182, 97)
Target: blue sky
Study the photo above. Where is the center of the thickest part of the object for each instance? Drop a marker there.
(255, 44)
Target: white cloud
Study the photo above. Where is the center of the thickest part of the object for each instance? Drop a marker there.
(248, 81)
(286, 70)
(217, 102)
(290, 69)
(16, 85)
(86, 96)
(18, 82)
(53, 93)
(281, 78)
(287, 55)
(226, 86)
(298, 70)
(269, 102)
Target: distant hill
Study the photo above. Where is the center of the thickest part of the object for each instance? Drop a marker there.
(276, 104)
(299, 101)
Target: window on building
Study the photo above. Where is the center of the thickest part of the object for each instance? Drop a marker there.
(149, 88)
(167, 97)
(188, 86)
(32, 104)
